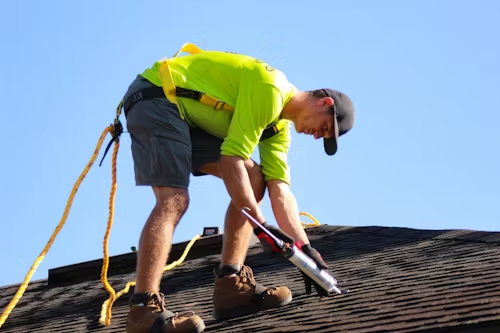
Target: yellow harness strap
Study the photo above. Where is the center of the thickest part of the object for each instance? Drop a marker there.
(169, 87)
(166, 77)
(215, 103)
(171, 92)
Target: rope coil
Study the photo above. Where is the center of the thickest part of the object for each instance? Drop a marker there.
(106, 313)
(24, 284)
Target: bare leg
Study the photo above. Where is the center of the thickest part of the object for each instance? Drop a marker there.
(235, 291)
(155, 241)
(237, 231)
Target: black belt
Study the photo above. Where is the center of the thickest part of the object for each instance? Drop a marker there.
(142, 95)
(157, 92)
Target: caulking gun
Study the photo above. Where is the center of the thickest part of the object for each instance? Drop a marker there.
(301, 260)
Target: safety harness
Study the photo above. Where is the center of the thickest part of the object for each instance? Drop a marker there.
(171, 92)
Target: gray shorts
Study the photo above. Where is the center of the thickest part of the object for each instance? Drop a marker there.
(165, 149)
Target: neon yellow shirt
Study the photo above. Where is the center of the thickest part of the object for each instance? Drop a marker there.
(257, 92)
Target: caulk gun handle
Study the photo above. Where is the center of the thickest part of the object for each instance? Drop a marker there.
(267, 234)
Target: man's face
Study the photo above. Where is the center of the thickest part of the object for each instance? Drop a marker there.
(317, 119)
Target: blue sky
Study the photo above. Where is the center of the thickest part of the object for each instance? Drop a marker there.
(424, 76)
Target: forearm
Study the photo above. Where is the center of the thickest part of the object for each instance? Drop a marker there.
(286, 210)
(233, 172)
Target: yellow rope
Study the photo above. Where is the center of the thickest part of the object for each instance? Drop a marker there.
(308, 225)
(24, 285)
(105, 264)
(105, 318)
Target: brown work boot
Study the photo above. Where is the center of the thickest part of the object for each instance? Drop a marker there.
(148, 314)
(237, 294)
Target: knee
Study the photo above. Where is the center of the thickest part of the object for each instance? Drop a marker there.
(256, 179)
(171, 201)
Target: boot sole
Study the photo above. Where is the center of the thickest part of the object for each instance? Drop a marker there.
(199, 328)
(247, 310)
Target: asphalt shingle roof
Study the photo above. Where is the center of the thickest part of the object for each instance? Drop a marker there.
(401, 280)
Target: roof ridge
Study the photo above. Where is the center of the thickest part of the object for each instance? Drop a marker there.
(457, 235)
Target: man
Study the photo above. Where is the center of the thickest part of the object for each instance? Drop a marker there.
(176, 132)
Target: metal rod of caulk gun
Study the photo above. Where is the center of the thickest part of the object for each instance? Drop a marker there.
(251, 218)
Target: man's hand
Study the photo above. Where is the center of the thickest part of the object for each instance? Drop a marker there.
(269, 244)
(286, 211)
(314, 255)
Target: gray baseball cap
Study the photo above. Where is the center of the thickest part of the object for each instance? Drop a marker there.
(343, 111)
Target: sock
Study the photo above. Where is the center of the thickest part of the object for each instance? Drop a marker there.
(228, 270)
(139, 299)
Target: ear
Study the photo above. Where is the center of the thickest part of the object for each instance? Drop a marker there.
(328, 101)
(325, 102)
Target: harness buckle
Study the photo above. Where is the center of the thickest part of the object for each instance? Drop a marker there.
(116, 131)
(219, 105)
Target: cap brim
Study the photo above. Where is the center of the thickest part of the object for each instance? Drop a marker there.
(331, 144)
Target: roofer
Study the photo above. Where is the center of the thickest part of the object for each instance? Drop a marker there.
(204, 114)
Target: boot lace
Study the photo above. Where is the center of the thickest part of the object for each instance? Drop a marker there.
(158, 300)
(247, 274)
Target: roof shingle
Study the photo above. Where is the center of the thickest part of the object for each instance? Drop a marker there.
(401, 280)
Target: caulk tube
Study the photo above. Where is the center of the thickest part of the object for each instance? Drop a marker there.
(309, 266)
